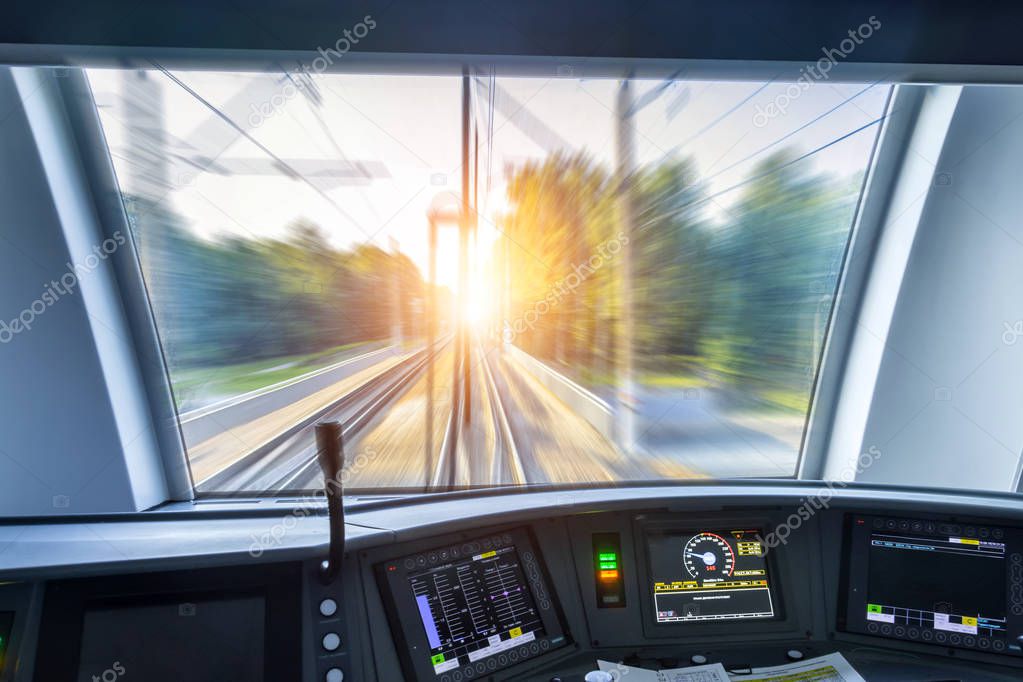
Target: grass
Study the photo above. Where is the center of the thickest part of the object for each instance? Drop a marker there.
(669, 371)
(788, 401)
(201, 385)
(679, 381)
(681, 372)
(674, 372)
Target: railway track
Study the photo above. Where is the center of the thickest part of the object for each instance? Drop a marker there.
(452, 468)
(485, 453)
(289, 458)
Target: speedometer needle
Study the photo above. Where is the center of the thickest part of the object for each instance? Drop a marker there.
(708, 557)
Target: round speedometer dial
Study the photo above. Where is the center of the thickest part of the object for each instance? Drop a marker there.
(708, 556)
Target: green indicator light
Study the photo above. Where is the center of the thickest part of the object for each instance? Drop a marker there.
(608, 556)
(609, 564)
(438, 659)
(873, 608)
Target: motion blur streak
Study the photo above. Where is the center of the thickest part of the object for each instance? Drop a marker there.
(309, 267)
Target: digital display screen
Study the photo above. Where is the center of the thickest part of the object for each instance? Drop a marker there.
(205, 641)
(935, 582)
(6, 622)
(475, 608)
(709, 575)
(467, 610)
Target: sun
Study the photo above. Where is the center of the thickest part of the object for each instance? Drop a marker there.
(476, 311)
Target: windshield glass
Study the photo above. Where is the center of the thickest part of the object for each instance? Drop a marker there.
(488, 280)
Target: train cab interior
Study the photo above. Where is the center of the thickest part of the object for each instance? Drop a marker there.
(562, 341)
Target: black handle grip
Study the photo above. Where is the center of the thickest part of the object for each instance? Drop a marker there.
(331, 456)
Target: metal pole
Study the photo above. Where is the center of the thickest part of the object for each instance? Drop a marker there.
(463, 249)
(626, 393)
(396, 333)
(431, 334)
(506, 330)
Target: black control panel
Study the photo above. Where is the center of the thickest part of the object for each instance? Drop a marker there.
(472, 608)
(947, 583)
(209, 624)
(6, 625)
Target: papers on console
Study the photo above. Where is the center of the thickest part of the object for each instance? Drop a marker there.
(714, 672)
(830, 668)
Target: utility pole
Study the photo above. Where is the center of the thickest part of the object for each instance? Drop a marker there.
(507, 332)
(463, 252)
(626, 389)
(625, 108)
(149, 181)
(396, 332)
(431, 334)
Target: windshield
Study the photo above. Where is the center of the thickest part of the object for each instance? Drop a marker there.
(488, 280)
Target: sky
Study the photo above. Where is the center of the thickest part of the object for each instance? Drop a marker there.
(405, 130)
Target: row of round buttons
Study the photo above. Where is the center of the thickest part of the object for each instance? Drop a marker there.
(479, 668)
(331, 641)
(1016, 584)
(454, 552)
(933, 528)
(937, 636)
(534, 577)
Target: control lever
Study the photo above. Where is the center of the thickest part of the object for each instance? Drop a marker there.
(330, 454)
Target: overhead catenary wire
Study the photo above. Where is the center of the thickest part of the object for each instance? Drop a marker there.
(793, 132)
(284, 165)
(759, 176)
(788, 135)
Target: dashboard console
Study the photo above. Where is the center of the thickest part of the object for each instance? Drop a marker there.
(917, 593)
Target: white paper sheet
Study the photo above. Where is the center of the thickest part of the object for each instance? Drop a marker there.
(713, 672)
(830, 668)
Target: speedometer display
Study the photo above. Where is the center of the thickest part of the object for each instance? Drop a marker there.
(707, 556)
(705, 575)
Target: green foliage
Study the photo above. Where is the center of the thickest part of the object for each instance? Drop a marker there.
(743, 296)
(238, 300)
(564, 213)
